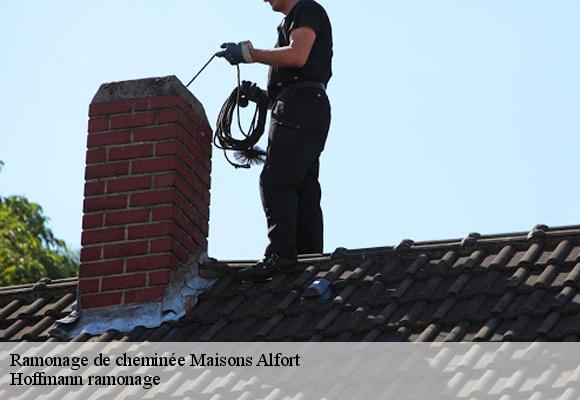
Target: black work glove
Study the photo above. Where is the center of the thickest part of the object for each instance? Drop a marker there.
(252, 92)
(236, 53)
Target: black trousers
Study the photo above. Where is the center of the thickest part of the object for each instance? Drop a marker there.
(289, 185)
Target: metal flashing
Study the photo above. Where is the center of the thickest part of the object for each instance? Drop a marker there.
(180, 296)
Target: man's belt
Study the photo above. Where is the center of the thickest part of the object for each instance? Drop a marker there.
(301, 85)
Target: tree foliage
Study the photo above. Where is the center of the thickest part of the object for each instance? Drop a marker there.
(28, 249)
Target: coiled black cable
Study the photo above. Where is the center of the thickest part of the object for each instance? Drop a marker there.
(247, 153)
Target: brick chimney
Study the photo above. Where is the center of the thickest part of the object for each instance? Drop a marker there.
(147, 190)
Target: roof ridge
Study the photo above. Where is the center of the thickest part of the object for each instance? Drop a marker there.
(42, 284)
(488, 239)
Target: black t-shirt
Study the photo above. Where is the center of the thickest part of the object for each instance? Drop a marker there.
(319, 65)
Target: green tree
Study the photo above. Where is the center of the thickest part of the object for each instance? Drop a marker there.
(28, 249)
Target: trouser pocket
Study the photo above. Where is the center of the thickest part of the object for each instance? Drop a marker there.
(286, 113)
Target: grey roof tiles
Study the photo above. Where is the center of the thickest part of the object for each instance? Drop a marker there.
(517, 286)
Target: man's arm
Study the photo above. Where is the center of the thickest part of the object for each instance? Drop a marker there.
(294, 55)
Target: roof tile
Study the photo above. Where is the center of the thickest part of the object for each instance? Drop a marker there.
(458, 332)
(560, 253)
(562, 298)
(531, 255)
(444, 308)
(486, 331)
(15, 304)
(574, 255)
(288, 299)
(503, 257)
(502, 304)
(429, 333)
(547, 276)
(491, 288)
(518, 277)
(574, 277)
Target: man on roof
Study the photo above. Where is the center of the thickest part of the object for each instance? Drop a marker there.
(300, 68)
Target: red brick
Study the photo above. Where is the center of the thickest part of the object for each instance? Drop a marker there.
(184, 188)
(186, 157)
(199, 155)
(128, 184)
(199, 238)
(177, 115)
(182, 220)
(133, 120)
(144, 295)
(199, 187)
(191, 212)
(201, 124)
(130, 152)
(205, 164)
(203, 196)
(204, 245)
(101, 268)
(161, 245)
(175, 148)
(182, 201)
(151, 103)
(94, 188)
(204, 143)
(172, 115)
(90, 253)
(101, 300)
(180, 252)
(189, 244)
(127, 217)
(106, 170)
(105, 203)
(89, 285)
(201, 206)
(104, 139)
(98, 124)
(166, 148)
(93, 221)
(151, 198)
(124, 281)
(206, 196)
(159, 278)
(203, 226)
(157, 133)
(125, 249)
(164, 180)
(152, 230)
(202, 174)
(162, 213)
(103, 235)
(194, 216)
(152, 262)
(96, 156)
(116, 107)
(200, 223)
(154, 165)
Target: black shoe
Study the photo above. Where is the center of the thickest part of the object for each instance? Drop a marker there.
(267, 267)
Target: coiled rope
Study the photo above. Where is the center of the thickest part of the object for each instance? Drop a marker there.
(247, 153)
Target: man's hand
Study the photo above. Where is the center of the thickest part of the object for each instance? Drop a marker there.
(249, 91)
(253, 92)
(237, 53)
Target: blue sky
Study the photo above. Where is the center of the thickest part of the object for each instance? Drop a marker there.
(448, 116)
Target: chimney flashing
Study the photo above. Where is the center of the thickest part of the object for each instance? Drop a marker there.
(180, 296)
